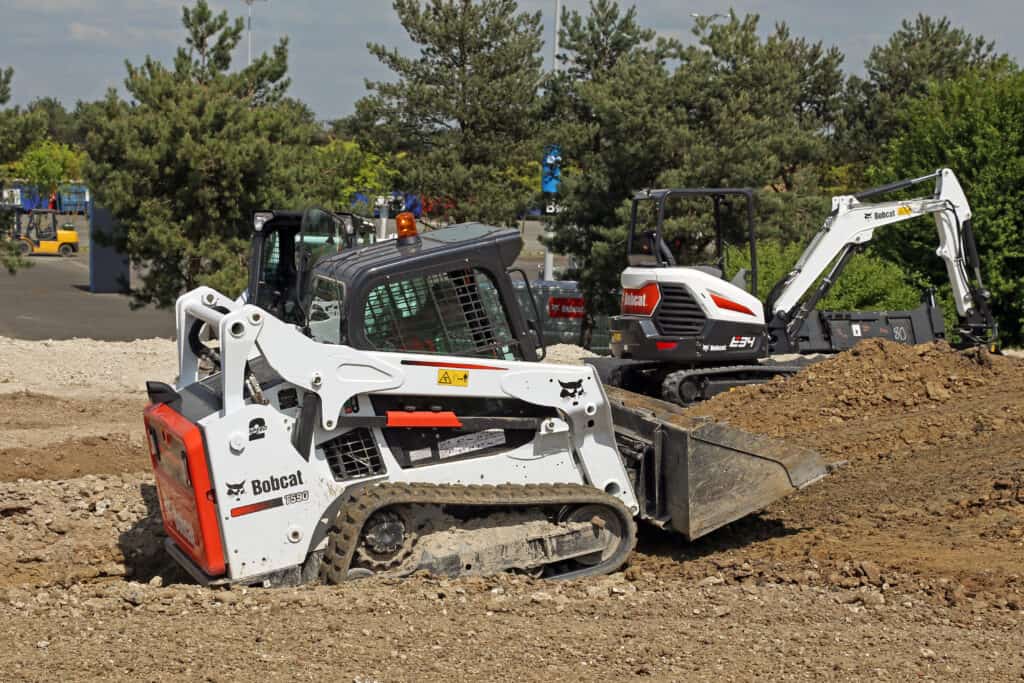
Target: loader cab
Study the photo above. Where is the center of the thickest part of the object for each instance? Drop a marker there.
(444, 291)
(285, 247)
(672, 227)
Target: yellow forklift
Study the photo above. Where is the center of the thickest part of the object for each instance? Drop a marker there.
(36, 232)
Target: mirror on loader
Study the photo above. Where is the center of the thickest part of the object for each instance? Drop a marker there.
(674, 228)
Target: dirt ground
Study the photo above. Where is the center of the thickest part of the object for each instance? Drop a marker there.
(908, 562)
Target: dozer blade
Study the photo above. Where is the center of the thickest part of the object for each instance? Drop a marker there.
(698, 475)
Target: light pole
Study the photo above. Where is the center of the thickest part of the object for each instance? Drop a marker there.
(250, 3)
(549, 257)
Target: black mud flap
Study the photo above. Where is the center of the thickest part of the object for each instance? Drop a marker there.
(697, 475)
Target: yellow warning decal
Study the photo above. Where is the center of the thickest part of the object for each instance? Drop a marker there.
(453, 378)
(903, 211)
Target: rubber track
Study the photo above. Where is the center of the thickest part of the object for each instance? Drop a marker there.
(670, 385)
(356, 510)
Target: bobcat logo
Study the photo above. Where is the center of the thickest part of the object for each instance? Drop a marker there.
(236, 489)
(571, 389)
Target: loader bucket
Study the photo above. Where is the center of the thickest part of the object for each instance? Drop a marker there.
(697, 475)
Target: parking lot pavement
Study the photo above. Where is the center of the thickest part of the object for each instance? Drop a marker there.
(51, 300)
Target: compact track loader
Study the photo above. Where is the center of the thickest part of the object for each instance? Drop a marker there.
(382, 411)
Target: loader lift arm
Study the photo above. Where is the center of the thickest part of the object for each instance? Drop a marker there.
(852, 224)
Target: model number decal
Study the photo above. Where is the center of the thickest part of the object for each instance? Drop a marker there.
(297, 497)
(742, 342)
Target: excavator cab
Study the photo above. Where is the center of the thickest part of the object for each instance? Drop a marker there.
(666, 229)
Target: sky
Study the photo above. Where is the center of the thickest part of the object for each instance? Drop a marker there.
(76, 49)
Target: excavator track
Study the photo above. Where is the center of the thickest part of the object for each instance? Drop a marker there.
(684, 387)
(345, 538)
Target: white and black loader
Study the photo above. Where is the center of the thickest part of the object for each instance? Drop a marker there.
(383, 410)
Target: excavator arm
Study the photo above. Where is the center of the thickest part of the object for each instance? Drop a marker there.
(852, 224)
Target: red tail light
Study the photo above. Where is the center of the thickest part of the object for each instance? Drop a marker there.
(641, 301)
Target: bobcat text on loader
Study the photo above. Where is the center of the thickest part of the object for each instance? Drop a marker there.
(382, 410)
(686, 333)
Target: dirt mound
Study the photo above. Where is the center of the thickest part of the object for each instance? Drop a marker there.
(79, 529)
(74, 458)
(882, 397)
(567, 354)
(932, 494)
(46, 437)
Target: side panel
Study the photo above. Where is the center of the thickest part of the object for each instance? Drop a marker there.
(276, 506)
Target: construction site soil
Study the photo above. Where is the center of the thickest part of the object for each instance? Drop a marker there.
(907, 562)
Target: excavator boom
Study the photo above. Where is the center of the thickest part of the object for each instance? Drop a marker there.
(852, 224)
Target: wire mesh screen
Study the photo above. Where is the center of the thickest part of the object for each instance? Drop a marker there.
(353, 454)
(457, 313)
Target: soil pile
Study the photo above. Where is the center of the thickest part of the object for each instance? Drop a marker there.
(47, 437)
(931, 496)
(882, 397)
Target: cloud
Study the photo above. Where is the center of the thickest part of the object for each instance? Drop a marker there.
(53, 6)
(88, 33)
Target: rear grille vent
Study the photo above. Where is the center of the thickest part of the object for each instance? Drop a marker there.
(678, 315)
(352, 455)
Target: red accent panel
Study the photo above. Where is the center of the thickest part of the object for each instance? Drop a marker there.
(458, 366)
(641, 301)
(183, 487)
(730, 305)
(422, 418)
(256, 507)
(566, 307)
(665, 346)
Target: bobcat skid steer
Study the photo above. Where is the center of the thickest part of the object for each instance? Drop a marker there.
(382, 411)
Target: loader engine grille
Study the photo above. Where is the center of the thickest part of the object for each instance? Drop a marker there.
(678, 315)
(352, 455)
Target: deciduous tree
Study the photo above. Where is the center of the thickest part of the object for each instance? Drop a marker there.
(974, 125)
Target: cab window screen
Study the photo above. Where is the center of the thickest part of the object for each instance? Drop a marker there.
(324, 310)
(458, 313)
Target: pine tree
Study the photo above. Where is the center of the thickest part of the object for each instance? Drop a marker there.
(611, 111)
(898, 71)
(184, 163)
(462, 111)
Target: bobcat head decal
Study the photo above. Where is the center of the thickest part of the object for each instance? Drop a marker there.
(571, 389)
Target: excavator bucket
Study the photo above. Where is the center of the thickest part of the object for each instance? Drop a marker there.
(697, 475)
